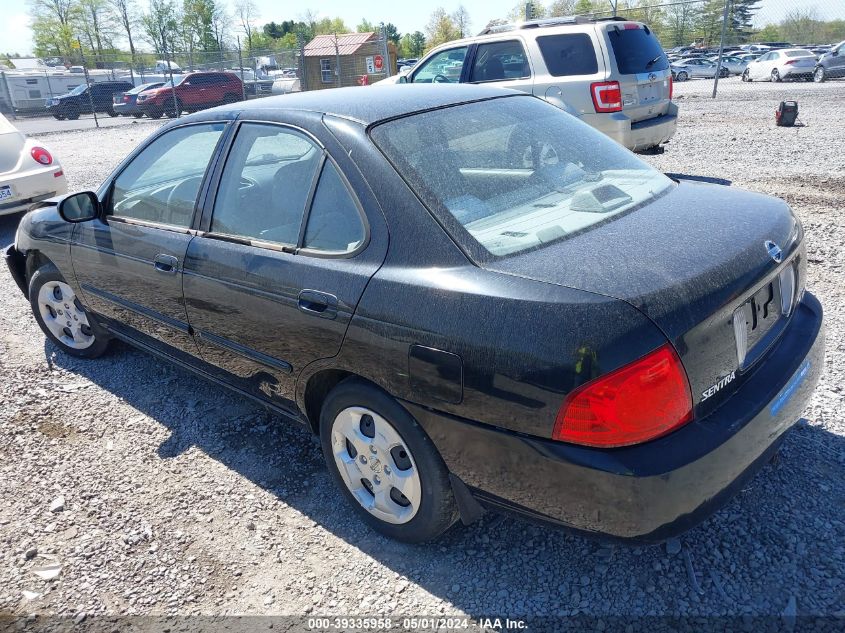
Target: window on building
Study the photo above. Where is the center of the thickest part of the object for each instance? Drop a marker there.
(326, 73)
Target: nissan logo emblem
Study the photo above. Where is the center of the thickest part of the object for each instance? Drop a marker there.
(774, 251)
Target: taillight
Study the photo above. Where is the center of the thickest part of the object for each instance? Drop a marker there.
(607, 96)
(635, 403)
(125, 98)
(671, 86)
(790, 62)
(41, 155)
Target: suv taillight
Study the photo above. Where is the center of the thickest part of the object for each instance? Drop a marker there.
(607, 96)
(635, 403)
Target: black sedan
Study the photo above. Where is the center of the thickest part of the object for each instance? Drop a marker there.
(475, 300)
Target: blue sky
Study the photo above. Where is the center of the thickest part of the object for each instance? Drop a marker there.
(407, 16)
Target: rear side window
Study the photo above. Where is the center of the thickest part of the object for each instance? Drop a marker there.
(500, 61)
(636, 50)
(568, 54)
(334, 223)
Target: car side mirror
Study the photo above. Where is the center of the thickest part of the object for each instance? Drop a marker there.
(834, 54)
(403, 79)
(79, 207)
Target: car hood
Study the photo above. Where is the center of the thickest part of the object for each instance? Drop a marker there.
(678, 259)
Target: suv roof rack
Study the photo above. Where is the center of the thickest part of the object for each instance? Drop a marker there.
(547, 22)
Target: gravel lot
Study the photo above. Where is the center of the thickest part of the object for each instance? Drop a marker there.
(180, 498)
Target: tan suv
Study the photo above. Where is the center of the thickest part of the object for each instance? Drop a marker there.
(611, 73)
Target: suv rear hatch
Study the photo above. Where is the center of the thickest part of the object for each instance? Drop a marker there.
(717, 266)
(642, 69)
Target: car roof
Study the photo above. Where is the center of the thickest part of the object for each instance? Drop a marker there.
(374, 103)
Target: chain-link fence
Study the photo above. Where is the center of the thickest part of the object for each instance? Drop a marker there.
(171, 83)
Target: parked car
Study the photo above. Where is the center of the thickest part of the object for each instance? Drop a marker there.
(777, 65)
(473, 299)
(193, 92)
(610, 73)
(830, 64)
(80, 99)
(749, 57)
(29, 172)
(125, 103)
(734, 65)
(687, 68)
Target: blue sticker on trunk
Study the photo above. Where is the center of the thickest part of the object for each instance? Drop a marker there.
(792, 386)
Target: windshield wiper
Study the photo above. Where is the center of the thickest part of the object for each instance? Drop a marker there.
(654, 61)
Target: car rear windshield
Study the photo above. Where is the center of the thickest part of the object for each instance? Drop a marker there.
(513, 174)
(568, 54)
(636, 50)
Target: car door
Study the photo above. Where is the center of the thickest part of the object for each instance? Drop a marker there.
(504, 63)
(445, 66)
(128, 263)
(284, 254)
(764, 65)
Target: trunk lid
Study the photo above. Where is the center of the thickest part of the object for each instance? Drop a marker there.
(688, 260)
(642, 69)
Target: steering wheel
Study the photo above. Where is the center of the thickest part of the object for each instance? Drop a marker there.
(440, 79)
(246, 183)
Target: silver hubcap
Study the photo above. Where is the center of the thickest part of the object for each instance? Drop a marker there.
(376, 465)
(63, 315)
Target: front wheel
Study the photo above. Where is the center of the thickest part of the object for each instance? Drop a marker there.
(724, 72)
(72, 112)
(62, 317)
(385, 464)
(776, 75)
(683, 76)
(746, 76)
(173, 110)
(818, 75)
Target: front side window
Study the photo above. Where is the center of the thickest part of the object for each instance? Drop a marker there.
(499, 61)
(162, 183)
(568, 54)
(444, 67)
(265, 184)
(326, 71)
(512, 174)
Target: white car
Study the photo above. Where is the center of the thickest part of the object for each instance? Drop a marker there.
(787, 63)
(28, 171)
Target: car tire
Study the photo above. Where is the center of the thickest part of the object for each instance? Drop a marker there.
(746, 76)
(724, 73)
(111, 112)
(71, 112)
(776, 75)
(683, 76)
(61, 316)
(394, 449)
(819, 75)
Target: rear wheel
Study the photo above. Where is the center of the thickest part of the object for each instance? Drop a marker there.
(819, 75)
(724, 72)
(385, 464)
(62, 317)
(683, 76)
(776, 75)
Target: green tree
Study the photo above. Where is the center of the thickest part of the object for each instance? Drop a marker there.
(53, 27)
(327, 26)
(440, 28)
(161, 26)
(417, 43)
(392, 33)
(462, 20)
(560, 8)
(365, 26)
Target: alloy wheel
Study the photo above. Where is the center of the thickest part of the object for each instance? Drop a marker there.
(818, 75)
(376, 465)
(63, 315)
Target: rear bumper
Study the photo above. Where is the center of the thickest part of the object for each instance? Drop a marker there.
(126, 108)
(32, 186)
(636, 135)
(652, 491)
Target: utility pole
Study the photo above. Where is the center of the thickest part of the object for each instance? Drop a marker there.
(721, 47)
(87, 83)
(170, 72)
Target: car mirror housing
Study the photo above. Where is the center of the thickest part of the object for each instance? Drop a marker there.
(403, 79)
(79, 207)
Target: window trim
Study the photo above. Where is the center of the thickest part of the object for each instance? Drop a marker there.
(323, 71)
(290, 249)
(108, 214)
(478, 45)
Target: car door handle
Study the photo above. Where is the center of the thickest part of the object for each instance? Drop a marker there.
(166, 264)
(318, 304)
